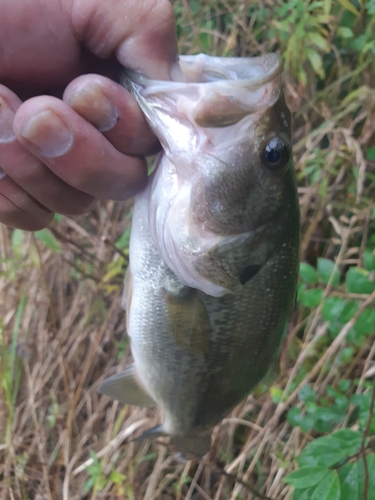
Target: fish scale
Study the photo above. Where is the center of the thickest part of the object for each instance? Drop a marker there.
(214, 248)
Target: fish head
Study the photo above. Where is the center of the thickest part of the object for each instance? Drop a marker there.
(223, 198)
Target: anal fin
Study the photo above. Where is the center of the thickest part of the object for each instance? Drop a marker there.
(126, 388)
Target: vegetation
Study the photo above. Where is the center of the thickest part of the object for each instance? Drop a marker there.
(311, 434)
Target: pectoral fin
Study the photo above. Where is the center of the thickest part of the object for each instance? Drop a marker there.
(248, 273)
(126, 388)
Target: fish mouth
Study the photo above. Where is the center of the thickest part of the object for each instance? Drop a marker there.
(250, 72)
(217, 91)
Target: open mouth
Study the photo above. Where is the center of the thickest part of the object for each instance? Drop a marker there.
(251, 72)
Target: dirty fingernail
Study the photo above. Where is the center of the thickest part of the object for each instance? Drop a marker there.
(95, 107)
(6, 123)
(48, 133)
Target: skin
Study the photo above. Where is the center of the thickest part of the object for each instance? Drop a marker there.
(87, 138)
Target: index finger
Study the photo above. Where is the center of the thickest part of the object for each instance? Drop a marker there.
(141, 33)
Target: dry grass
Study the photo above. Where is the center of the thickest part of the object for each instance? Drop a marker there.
(63, 326)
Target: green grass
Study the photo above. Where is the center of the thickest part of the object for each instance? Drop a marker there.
(62, 326)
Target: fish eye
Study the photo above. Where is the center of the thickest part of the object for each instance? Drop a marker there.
(276, 154)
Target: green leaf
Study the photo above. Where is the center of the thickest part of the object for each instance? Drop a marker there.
(347, 354)
(325, 269)
(365, 323)
(328, 488)
(330, 413)
(349, 311)
(18, 242)
(116, 477)
(323, 451)
(370, 6)
(371, 154)
(349, 482)
(358, 42)
(363, 402)
(123, 241)
(344, 385)
(363, 420)
(369, 260)
(49, 240)
(349, 440)
(303, 494)
(296, 418)
(333, 308)
(308, 273)
(316, 61)
(312, 298)
(206, 42)
(305, 477)
(322, 426)
(317, 40)
(88, 484)
(358, 280)
(370, 459)
(276, 394)
(345, 32)
(349, 6)
(307, 393)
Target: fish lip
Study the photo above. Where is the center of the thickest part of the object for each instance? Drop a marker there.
(269, 64)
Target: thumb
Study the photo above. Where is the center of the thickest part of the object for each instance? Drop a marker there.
(142, 34)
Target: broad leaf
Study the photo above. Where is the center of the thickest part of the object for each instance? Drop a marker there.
(305, 477)
(323, 451)
(303, 494)
(307, 393)
(328, 488)
(349, 440)
(49, 240)
(370, 459)
(348, 475)
(326, 269)
(308, 273)
(312, 298)
(358, 280)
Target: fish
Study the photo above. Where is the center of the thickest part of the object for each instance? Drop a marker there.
(214, 246)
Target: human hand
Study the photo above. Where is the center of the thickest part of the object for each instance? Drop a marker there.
(58, 155)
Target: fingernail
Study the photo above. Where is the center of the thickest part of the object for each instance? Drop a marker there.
(48, 133)
(7, 134)
(2, 173)
(95, 107)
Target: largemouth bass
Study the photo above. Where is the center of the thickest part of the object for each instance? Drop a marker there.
(214, 247)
